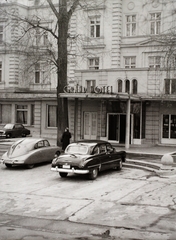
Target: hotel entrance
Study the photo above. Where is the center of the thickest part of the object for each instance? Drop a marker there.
(116, 127)
(90, 125)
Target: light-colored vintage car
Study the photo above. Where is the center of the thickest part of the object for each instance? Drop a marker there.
(30, 151)
(88, 157)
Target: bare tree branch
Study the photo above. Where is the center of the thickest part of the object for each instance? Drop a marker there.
(73, 8)
(53, 9)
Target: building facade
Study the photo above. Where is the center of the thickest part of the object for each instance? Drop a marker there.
(121, 74)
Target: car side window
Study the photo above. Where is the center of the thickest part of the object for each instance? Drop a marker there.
(18, 126)
(46, 143)
(102, 148)
(40, 144)
(109, 148)
(96, 150)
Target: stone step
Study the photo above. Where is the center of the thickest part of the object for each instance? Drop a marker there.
(129, 165)
(142, 165)
(134, 155)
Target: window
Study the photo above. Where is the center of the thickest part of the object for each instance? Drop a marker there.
(45, 38)
(94, 63)
(170, 86)
(155, 62)
(109, 148)
(52, 116)
(0, 71)
(169, 126)
(46, 143)
(42, 73)
(130, 62)
(1, 34)
(131, 25)
(32, 114)
(90, 85)
(119, 86)
(18, 126)
(5, 113)
(21, 114)
(41, 37)
(96, 150)
(40, 144)
(134, 86)
(155, 23)
(95, 27)
(102, 148)
(37, 73)
(127, 86)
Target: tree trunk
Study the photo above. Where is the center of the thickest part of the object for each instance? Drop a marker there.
(62, 116)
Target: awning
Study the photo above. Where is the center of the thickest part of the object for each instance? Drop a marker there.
(116, 96)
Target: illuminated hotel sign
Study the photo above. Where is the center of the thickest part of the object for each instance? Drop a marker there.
(81, 89)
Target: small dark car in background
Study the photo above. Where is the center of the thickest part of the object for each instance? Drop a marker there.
(88, 157)
(14, 130)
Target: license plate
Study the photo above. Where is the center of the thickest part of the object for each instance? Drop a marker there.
(66, 166)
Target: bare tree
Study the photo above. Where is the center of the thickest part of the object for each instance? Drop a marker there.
(63, 18)
(56, 35)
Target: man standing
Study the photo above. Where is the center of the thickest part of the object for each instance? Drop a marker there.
(65, 138)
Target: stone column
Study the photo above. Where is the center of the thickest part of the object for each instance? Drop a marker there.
(127, 137)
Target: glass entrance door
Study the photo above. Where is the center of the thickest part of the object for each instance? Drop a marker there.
(116, 127)
(90, 125)
(113, 127)
(169, 126)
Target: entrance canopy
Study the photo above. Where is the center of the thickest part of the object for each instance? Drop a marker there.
(124, 96)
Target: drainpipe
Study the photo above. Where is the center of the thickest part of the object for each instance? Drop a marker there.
(127, 137)
(76, 120)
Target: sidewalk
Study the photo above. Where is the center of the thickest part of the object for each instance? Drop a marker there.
(141, 150)
(156, 151)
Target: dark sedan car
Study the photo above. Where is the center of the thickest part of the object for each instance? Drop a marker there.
(14, 130)
(88, 157)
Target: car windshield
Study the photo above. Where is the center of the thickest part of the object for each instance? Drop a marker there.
(79, 149)
(8, 126)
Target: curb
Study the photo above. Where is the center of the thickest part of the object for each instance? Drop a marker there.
(152, 167)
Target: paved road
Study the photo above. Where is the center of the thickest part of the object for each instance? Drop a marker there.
(36, 204)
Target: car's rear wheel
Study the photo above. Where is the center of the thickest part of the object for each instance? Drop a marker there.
(8, 165)
(8, 135)
(120, 165)
(93, 174)
(30, 166)
(63, 174)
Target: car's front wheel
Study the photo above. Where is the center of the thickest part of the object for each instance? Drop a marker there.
(93, 174)
(63, 174)
(23, 134)
(8, 165)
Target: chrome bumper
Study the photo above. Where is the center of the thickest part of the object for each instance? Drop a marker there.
(13, 162)
(72, 170)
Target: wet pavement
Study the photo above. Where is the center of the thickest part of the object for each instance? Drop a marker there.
(43, 206)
